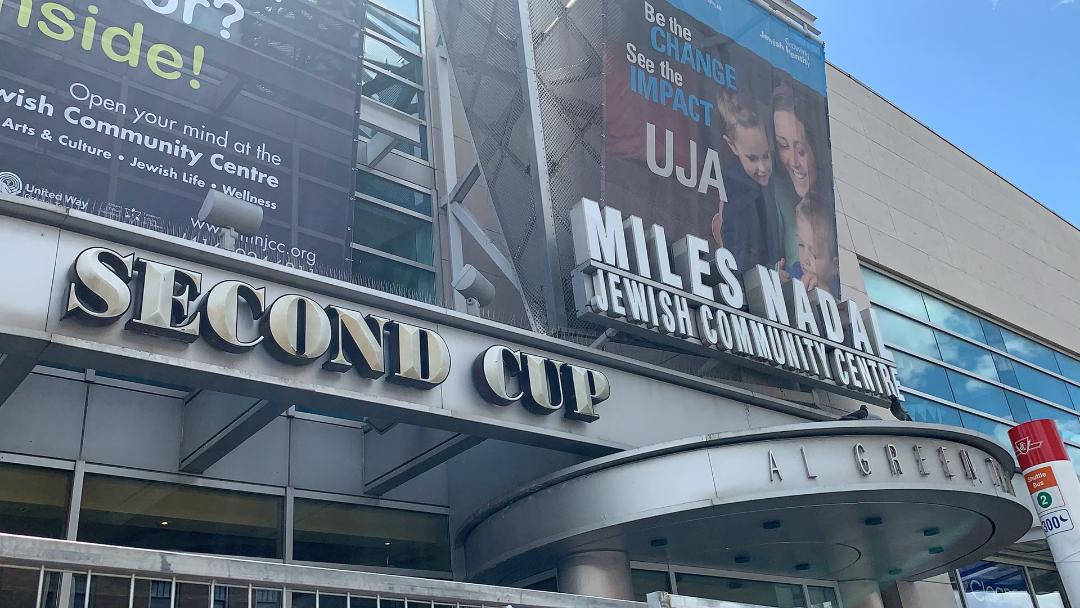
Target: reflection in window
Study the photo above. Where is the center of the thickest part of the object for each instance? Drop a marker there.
(924, 410)
(109, 591)
(370, 536)
(1041, 384)
(923, 376)
(823, 597)
(954, 319)
(403, 32)
(907, 334)
(393, 232)
(18, 586)
(33, 500)
(155, 515)
(393, 192)
(979, 395)
(894, 294)
(1069, 367)
(408, 8)
(741, 591)
(995, 430)
(267, 598)
(394, 277)
(648, 581)
(1068, 424)
(1047, 587)
(1029, 350)
(392, 92)
(988, 584)
(965, 355)
(153, 594)
(393, 60)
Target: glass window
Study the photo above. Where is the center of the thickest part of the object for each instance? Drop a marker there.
(952, 318)
(1042, 384)
(893, 294)
(1047, 587)
(923, 376)
(1005, 370)
(979, 395)
(405, 33)
(393, 60)
(392, 92)
(50, 590)
(924, 410)
(408, 8)
(907, 334)
(993, 334)
(547, 584)
(394, 277)
(963, 354)
(362, 535)
(153, 594)
(989, 584)
(647, 581)
(1029, 350)
(393, 232)
(155, 515)
(393, 192)
(741, 591)
(823, 597)
(1069, 367)
(18, 586)
(995, 430)
(192, 595)
(1068, 424)
(109, 591)
(267, 598)
(34, 500)
(341, 601)
(230, 597)
(303, 599)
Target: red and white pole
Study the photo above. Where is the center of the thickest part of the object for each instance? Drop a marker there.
(1055, 490)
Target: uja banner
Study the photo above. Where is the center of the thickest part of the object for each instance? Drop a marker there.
(135, 109)
(716, 125)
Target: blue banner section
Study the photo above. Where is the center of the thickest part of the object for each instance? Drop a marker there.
(753, 27)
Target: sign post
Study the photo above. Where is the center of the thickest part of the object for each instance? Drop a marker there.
(1055, 491)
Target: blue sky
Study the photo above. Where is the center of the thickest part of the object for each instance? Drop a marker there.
(1000, 79)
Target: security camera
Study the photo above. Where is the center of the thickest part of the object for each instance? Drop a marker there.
(232, 214)
(477, 290)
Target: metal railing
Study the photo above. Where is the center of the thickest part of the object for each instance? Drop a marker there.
(47, 573)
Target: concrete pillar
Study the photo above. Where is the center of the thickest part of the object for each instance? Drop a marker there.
(860, 594)
(600, 573)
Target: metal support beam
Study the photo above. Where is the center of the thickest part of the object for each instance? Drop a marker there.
(377, 148)
(384, 118)
(467, 221)
(215, 424)
(405, 452)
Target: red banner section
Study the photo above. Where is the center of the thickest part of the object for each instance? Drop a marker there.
(1037, 442)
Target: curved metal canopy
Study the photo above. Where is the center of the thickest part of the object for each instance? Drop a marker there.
(842, 500)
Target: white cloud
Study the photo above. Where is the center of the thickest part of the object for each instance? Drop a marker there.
(1059, 2)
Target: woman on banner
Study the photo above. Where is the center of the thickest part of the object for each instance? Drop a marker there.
(804, 204)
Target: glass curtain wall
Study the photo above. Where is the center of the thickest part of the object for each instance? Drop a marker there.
(962, 369)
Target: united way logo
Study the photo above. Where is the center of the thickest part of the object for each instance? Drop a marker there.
(10, 183)
(1026, 445)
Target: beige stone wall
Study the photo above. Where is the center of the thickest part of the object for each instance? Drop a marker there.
(913, 203)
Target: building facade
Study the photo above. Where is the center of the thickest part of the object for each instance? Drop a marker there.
(425, 375)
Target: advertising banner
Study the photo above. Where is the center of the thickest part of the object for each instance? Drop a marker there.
(715, 125)
(136, 109)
